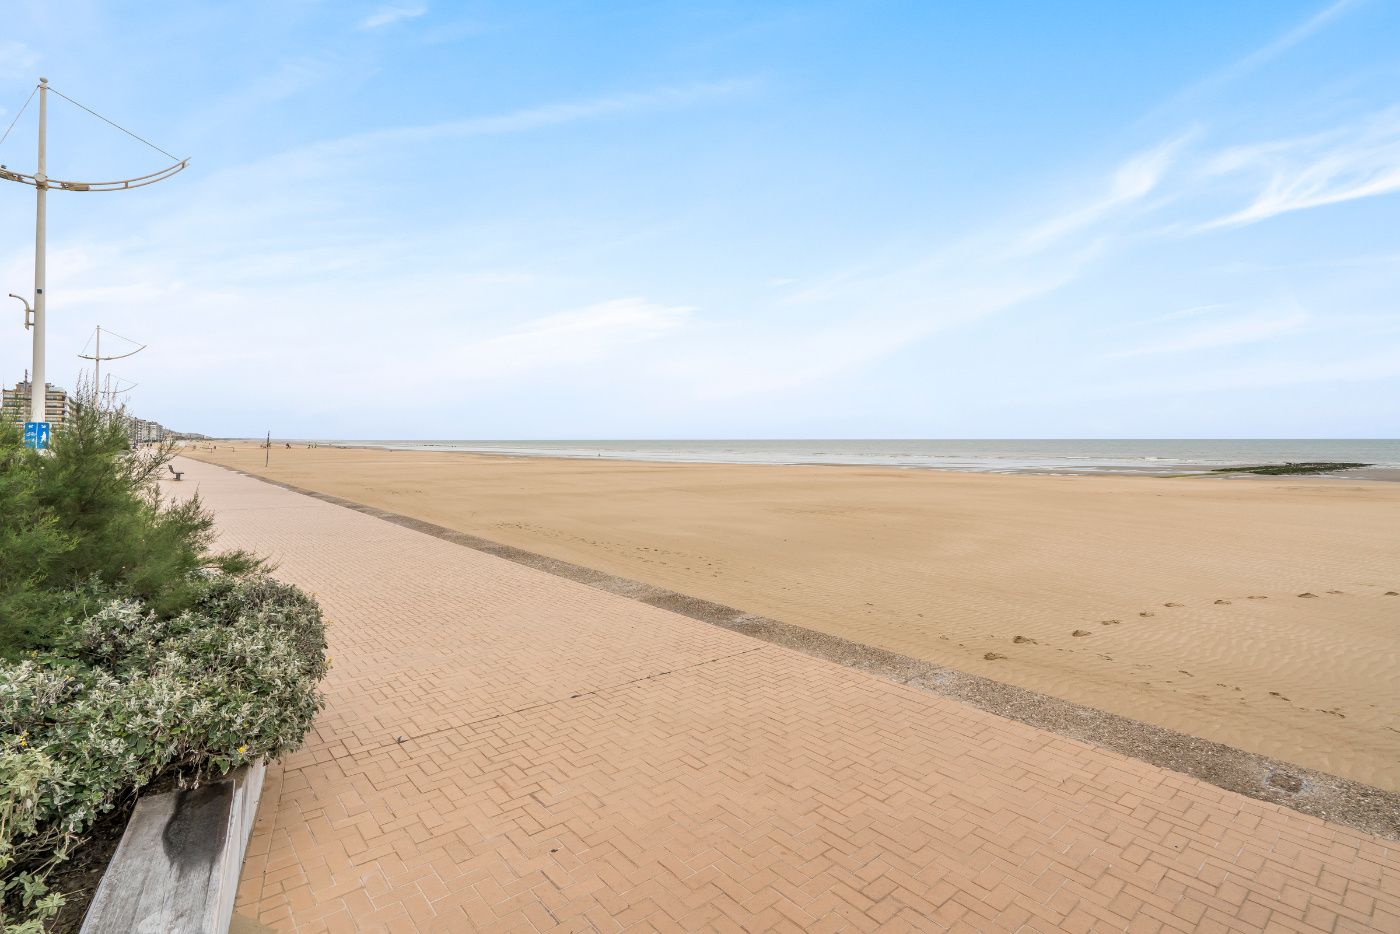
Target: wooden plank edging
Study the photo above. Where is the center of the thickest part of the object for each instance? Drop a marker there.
(176, 869)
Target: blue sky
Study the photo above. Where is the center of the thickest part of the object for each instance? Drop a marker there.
(749, 219)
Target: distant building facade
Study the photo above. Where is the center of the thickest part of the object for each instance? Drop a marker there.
(15, 407)
(145, 431)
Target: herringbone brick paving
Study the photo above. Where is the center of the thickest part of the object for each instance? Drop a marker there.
(507, 750)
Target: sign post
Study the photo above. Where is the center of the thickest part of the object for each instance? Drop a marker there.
(36, 435)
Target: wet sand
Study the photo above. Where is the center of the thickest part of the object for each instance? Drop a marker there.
(1174, 601)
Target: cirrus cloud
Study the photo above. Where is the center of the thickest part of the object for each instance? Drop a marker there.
(393, 13)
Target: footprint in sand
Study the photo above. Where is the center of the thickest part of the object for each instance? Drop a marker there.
(1173, 604)
(1080, 632)
(1310, 595)
(1222, 603)
(992, 656)
(1109, 622)
(1147, 613)
(1023, 640)
(1277, 694)
(1392, 593)
(1254, 597)
(1336, 591)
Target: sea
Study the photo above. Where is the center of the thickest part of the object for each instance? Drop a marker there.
(1163, 456)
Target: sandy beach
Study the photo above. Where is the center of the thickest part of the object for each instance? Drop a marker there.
(1256, 612)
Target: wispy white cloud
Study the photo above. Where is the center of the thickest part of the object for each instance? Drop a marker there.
(889, 309)
(624, 320)
(1345, 164)
(16, 58)
(1261, 56)
(546, 115)
(1283, 43)
(1133, 180)
(1194, 311)
(393, 13)
(443, 33)
(540, 346)
(1191, 312)
(335, 154)
(1369, 366)
(1252, 329)
(263, 91)
(869, 316)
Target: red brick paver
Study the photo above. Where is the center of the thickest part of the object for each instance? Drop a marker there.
(507, 750)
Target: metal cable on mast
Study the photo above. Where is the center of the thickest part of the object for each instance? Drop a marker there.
(113, 123)
(19, 114)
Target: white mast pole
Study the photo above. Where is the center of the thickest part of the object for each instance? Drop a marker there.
(38, 388)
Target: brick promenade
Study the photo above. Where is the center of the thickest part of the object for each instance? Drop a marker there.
(506, 750)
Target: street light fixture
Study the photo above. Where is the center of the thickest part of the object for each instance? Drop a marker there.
(28, 311)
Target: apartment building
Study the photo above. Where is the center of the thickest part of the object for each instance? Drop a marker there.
(15, 407)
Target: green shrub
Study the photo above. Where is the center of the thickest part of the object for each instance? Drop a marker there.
(137, 694)
(23, 771)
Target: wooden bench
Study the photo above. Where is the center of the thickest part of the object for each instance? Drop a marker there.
(179, 474)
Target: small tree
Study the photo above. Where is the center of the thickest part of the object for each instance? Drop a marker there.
(86, 519)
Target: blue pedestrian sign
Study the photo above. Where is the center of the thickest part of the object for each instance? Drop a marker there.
(36, 435)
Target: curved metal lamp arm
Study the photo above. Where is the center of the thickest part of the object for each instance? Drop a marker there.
(28, 311)
(139, 182)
